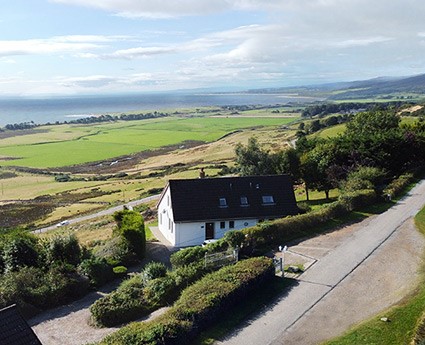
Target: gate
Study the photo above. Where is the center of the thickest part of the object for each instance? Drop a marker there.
(220, 259)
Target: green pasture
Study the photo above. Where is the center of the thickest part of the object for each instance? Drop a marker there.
(75, 144)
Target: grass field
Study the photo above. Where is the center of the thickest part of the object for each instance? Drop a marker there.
(75, 144)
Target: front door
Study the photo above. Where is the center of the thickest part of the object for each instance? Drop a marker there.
(209, 231)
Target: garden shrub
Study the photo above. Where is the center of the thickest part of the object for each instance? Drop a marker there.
(186, 275)
(120, 271)
(154, 270)
(63, 249)
(187, 256)
(355, 200)
(160, 291)
(33, 286)
(97, 270)
(122, 305)
(363, 178)
(198, 306)
(396, 187)
(116, 252)
(132, 228)
(19, 251)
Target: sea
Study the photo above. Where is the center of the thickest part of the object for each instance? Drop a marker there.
(53, 109)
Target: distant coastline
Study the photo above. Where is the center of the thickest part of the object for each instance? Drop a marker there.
(44, 110)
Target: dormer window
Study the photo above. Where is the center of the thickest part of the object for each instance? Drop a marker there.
(268, 200)
(222, 202)
(244, 201)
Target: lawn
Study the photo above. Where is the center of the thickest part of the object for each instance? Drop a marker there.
(75, 144)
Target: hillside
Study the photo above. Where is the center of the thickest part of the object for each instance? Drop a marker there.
(382, 87)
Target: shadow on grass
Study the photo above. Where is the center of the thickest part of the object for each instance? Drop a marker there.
(245, 313)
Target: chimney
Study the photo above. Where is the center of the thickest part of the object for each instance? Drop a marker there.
(202, 173)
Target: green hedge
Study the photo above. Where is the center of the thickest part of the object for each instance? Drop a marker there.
(289, 228)
(397, 186)
(198, 306)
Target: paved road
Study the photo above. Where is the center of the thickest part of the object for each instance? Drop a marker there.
(109, 211)
(321, 279)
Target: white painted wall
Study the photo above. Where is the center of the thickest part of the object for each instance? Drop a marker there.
(193, 234)
(165, 218)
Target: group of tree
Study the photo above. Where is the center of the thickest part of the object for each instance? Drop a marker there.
(374, 144)
(318, 124)
(38, 273)
(324, 109)
(89, 120)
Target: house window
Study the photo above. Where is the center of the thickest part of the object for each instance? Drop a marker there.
(244, 201)
(170, 225)
(223, 202)
(268, 200)
(231, 224)
(160, 218)
(222, 225)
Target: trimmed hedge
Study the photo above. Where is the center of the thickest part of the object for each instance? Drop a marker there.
(198, 306)
(396, 187)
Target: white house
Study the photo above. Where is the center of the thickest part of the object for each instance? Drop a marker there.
(194, 210)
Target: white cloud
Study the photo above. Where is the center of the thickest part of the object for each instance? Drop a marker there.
(57, 44)
(139, 52)
(94, 81)
(154, 9)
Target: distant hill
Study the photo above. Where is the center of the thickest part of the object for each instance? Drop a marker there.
(382, 87)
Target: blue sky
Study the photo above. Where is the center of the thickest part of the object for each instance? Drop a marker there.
(103, 46)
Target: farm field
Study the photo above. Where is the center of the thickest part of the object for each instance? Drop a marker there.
(144, 174)
(76, 144)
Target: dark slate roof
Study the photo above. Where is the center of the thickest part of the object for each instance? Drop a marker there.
(199, 199)
(14, 330)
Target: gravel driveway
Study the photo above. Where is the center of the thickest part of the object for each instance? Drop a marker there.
(69, 324)
(357, 272)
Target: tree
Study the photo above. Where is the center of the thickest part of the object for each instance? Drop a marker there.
(131, 228)
(253, 160)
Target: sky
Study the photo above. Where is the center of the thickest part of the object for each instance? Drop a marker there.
(72, 47)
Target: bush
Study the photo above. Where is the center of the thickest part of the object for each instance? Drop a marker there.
(187, 256)
(160, 291)
(120, 271)
(154, 270)
(63, 249)
(33, 286)
(117, 252)
(132, 228)
(122, 305)
(186, 275)
(19, 251)
(355, 200)
(97, 270)
(396, 187)
(234, 238)
(198, 306)
(363, 178)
